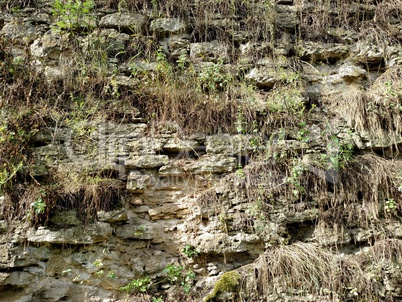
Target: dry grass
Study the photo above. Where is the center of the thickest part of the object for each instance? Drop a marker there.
(377, 111)
(302, 269)
(86, 193)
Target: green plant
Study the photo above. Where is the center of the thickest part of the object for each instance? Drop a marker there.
(39, 204)
(140, 230)
(339, 152)
(159, 299)
(390, 205)
(72, 14)
(296, 171)
(214, 78)
(138, 285)
(190, 251)
(111, 275)
(302, 134)
(178, 274)
(6, 175)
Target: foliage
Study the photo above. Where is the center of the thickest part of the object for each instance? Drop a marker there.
(190, 251)
(178, 274)
(39, 205)
(339, 153)
(214, 78)
(138, 285)
(296, 171)
(72, 14)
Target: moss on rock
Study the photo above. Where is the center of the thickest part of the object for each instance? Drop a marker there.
(228, 283)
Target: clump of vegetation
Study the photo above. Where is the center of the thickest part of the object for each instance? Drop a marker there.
(138, 285)
(190, 251)
(178, 274)
(72, 15)
(228, 283)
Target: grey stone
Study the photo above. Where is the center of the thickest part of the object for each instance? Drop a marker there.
(286, 17)
(176, 46)
(66, 218)
(109, 41)
(171, 170)
(228, 144)
(88, 234)
(127, 22)
(168, 26)
(50, 152)
(223, 243)
(54, 73)
(208, 51)
(212, 164)
(351, 72)
(123, 81)
(112, 216)
(368, 53)
(24, 33)
(323, 52)
(146, 161)
(146, 230)
(47, 47)
(168, 211)
(137, 182)
(176, 144)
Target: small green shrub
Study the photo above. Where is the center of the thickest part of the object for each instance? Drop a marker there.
(72, 14)
(39, 205)
(137, 285)
(190, 251)
(178, 274)
(214, 78)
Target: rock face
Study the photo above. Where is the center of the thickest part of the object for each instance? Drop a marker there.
(295, 195)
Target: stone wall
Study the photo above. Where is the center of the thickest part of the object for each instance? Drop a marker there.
(317, 175)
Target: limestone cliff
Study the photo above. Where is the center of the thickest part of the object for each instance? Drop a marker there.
(200, 150)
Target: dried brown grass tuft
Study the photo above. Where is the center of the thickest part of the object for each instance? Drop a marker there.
(376, 113)
(301, 269)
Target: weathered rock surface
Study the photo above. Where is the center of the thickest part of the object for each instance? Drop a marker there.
(89, 234)
(205, 201)
(126, 22)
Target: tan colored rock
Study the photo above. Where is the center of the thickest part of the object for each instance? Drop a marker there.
(168, 211)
